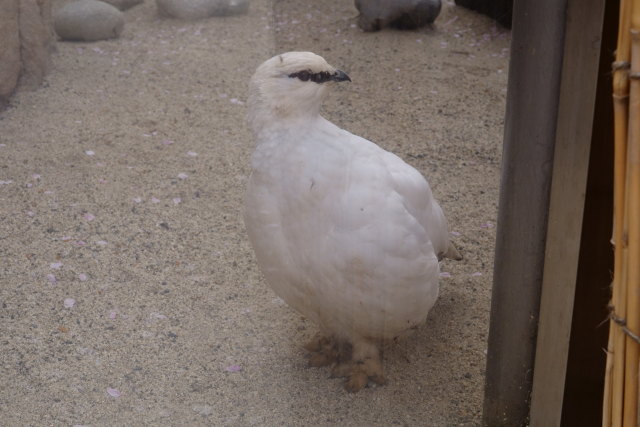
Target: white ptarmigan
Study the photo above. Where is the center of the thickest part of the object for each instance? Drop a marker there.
(345, 232)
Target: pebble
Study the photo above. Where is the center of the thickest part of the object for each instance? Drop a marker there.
(204, 409)
(88, 20)
(124, 4)
(201, 9)
(403, 14)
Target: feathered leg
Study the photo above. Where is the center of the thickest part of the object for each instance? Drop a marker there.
(358, 362)
(366, 364)
(323, 351)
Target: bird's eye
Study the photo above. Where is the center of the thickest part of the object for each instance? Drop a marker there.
(306, 75)
(320, 77)
(303, 75)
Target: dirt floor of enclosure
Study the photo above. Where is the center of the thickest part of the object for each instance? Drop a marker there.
(129, 292)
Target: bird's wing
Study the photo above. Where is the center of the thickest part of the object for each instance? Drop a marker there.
(419, 201)
(378, 180)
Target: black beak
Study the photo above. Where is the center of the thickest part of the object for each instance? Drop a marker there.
(340, 76)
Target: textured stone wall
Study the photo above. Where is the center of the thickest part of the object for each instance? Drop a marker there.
(27, 41)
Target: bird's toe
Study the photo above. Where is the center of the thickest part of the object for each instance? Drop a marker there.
(320, 359)
(341, 370)
(356, 381)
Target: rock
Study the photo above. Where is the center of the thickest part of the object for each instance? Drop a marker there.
(88, 20)
(200, 9)
(26, 36)
(9, 48)
(403, 14)
(124, 4)
(36, 40)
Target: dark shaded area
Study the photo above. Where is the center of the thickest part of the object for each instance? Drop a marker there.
(584, 386)
(500, 10)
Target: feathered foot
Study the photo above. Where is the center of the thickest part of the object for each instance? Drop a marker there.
(366, 364)
(323, 351)
(359, 362)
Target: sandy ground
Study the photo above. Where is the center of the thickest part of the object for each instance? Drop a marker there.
(129, 292)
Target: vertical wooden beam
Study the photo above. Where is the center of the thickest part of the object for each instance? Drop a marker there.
(585, 383)
(569, 180)
(530, 125)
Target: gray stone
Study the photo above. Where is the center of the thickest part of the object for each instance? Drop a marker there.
(36, 40)
(124, 4)
(403, 14)
(201, 9)
(88, 20)
(26, 43)
(9, 48)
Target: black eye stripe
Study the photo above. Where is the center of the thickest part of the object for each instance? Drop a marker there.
(306, 75)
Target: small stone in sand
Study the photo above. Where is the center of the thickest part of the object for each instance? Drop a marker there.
(124, 4)
(403, 14)
(88, 20)
(201, 9)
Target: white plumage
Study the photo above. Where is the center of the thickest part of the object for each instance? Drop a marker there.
(344, 231)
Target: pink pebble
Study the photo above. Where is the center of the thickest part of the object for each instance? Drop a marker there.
(113, 392)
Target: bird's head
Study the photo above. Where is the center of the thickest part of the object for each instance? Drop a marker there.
(290, 86)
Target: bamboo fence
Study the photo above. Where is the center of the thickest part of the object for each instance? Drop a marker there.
(621, 403)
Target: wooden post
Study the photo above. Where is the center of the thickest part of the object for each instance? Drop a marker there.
(530, 131)
(566, 207)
